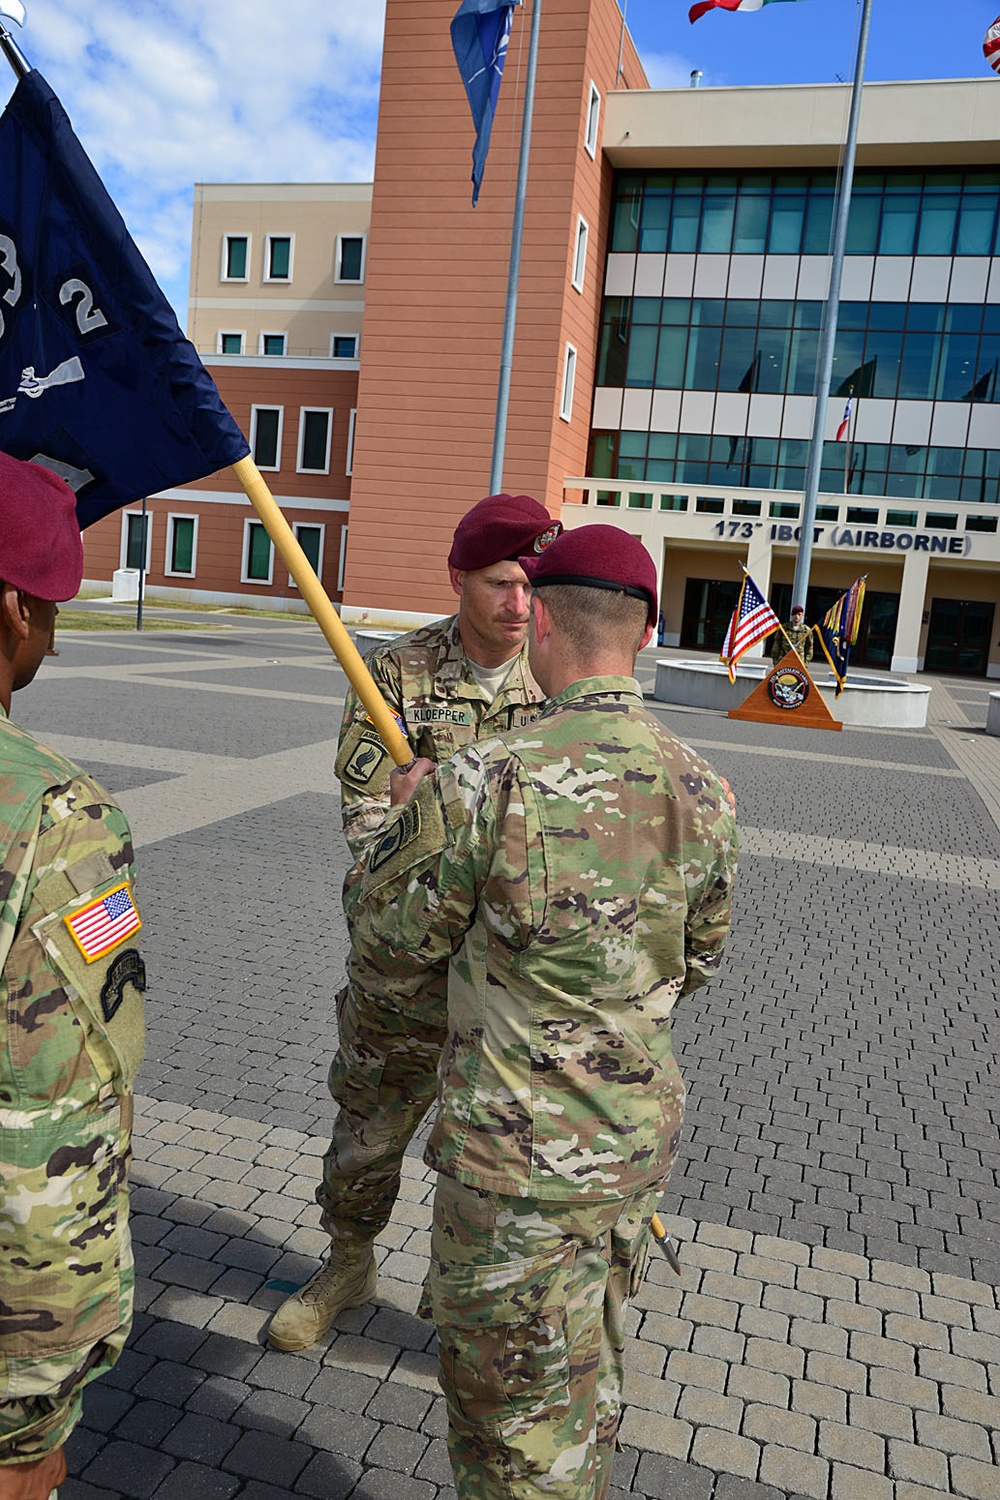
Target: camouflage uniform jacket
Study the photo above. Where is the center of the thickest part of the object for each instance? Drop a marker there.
(574, 880)
(426, 680)
(71, 1042)
(799, 636)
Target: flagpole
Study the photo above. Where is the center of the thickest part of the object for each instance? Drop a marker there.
(13, 53)
(803, 560)
(289, 549)
(514, 272)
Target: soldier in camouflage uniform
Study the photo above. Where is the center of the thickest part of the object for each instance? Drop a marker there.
(72, 1026)
(797, 635)
(448, 684)
(563, 886)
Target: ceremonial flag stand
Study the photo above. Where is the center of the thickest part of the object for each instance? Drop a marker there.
(787, 695)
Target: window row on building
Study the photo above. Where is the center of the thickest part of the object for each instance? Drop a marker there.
(894, 350)
(233, 341)
(180, 547)
(277, 262)
(315, 435)
(791, 213)
(893, 469)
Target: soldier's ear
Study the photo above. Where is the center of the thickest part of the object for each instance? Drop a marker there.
(14, 612)
(456, 575)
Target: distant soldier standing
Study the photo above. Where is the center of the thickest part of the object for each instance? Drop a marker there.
(71, 1025)
(797, 634)
(448, 684)
(558, 889)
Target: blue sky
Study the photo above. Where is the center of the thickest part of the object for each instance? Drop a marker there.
(165, 93)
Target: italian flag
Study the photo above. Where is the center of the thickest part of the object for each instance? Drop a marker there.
(706, 5)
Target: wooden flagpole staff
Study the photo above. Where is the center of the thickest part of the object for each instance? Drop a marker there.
(327, 618)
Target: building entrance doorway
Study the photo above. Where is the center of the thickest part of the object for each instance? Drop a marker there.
(708, 609)
(877, 631)
(958, 638)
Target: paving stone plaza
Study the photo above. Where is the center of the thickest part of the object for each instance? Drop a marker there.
(835, 1333)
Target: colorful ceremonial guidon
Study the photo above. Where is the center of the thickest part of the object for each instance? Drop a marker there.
(839, 630)
(102, 924)
(753, 619)
(480, 33)
(706, 5)
(845, 420)
(991, 46)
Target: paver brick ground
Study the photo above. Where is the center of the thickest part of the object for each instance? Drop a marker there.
(834, 1333)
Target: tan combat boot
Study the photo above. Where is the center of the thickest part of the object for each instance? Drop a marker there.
(346, 1280)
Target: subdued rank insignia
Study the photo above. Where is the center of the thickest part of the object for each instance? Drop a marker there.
(364, 760)
(127, 968)
(405, 829)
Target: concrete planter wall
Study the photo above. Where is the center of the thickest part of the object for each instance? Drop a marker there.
(875, 702)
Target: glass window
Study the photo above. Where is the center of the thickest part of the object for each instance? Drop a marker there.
(918, 370)
(862, 225)
(717, 216)
(181, 544)
(818, 225)
(899, 224)
(746, 507)
(314, 440)
(655, 223)
(593, 120)
(272, 343)
(642, 356)
(975, 224)
(750, 229)
(235, 257)
(980, 523)
(310, 539)
(684, 221)
(692, 458)
(279, 257)
(935, 521)
(702, 372)
(787, 218)
(350, 257)
(670, 358)
(625, 219)
(344, 346)
(956, 374)
(137, 526)
(708, 505)
(828, 513)
(256, 554)
(738, 360)
(938, 216)
(603, 451)
(265, 435)
(230, 343)
(580, 254)
(569, 383)
(901, 518)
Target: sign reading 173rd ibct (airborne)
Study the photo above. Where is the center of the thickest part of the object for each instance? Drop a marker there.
(862, 537)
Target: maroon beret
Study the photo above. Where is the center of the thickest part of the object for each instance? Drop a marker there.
(499, 529)
(41, 551)
(599, 557)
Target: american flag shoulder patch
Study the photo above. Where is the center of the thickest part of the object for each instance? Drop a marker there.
(102, 924)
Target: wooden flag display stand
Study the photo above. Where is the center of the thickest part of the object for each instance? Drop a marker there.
(787, 695)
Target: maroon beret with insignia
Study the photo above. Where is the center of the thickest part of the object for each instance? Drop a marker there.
(41, 552)
(499, 529)
(600, 557)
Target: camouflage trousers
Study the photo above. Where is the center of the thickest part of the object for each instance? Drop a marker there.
(384, 1079)
(529, 1298)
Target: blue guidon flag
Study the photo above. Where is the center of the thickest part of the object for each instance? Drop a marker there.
(479, 34)
(97, 382)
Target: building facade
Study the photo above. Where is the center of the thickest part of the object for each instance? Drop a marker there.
(674, 282)
(275, 311)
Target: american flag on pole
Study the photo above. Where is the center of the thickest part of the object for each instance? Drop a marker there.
(845, 420)
(753, 619)
(991, 45)
(102, 924)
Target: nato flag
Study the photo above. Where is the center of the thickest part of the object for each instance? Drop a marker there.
(479, 34)
(96, 379)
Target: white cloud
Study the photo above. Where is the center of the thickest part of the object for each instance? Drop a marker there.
(166, 93)
(667, 70)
